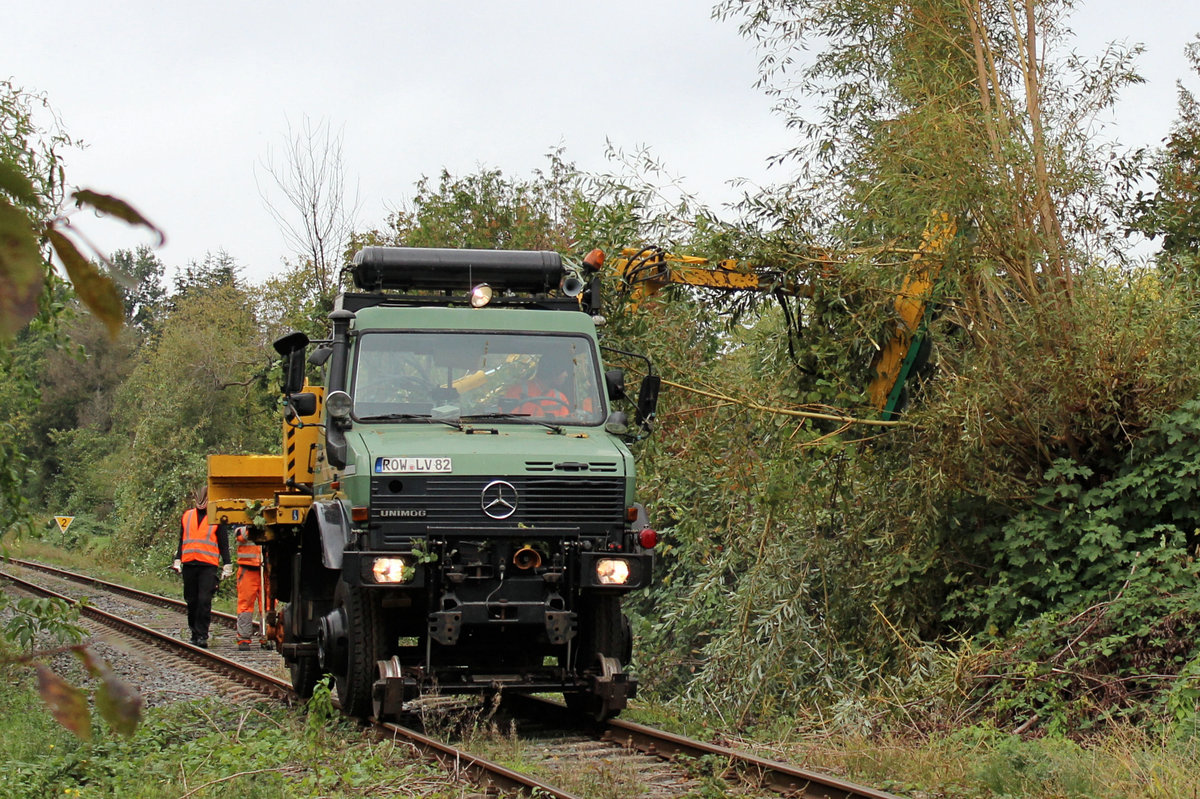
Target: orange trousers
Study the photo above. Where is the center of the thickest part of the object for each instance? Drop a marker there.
(250, 594)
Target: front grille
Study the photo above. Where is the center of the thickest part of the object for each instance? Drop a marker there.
(404, 506)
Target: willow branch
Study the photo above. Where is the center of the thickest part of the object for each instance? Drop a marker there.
(787, 411)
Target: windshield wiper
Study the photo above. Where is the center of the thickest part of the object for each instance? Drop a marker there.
(409, 417)
(522, 416)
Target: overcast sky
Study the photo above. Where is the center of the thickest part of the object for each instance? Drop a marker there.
(179, 103)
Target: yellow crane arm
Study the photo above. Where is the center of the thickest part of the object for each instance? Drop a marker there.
(894, 361)
(648, 270)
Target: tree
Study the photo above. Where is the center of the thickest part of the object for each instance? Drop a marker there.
(200, 387)
(487, 210)
(142, 291)
(319, 223)
(962, 107)
(821, 573)
(1172, 211)
(32, 227)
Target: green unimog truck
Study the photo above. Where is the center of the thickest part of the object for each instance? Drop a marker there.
(454, 507)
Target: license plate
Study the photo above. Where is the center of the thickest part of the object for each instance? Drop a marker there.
(411, 465)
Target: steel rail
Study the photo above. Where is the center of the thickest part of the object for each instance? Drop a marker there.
(226, 619)
(260, 681)
(771, 774)
(483, 772)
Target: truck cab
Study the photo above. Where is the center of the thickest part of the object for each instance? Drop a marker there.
(457, 511)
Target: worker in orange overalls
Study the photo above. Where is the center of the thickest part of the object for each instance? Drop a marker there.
(203, 548)
(251, 588)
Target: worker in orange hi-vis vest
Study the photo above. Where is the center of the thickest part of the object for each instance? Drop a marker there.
(203, 548)
(251, 587)
(543, 395)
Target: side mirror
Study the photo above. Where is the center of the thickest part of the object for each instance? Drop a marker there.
(292, 347)
(617, 424)
(320, 355)
(614, 382)
(591, 299)
(304, 404)
(647, 401)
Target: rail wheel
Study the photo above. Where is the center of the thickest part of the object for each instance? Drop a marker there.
(365, 641)
(605, 643)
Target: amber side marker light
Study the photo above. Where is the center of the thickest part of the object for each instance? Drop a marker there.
(359, 514)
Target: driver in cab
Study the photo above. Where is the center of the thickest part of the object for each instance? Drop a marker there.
(543, 394)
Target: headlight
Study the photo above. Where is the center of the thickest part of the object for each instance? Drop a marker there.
(612, 571)
(392, 570)
(337, 404)
(481, 295)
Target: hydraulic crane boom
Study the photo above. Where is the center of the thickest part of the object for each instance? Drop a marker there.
(648, 270)
(900, 352)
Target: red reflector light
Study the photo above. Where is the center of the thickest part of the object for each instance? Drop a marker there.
(648, 538)
(358, 514)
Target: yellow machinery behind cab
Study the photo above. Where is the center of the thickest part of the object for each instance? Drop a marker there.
(276, 487)
(647, 271)
(269, 493)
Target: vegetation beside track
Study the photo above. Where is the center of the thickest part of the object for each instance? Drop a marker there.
(204, 748)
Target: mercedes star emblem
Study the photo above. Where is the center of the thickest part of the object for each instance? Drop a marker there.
(498, 499)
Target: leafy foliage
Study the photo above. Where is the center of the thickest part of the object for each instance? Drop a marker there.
(1084, 536)
(35, 621)
(200, 388)
(487, 210)
(1169, 212)
(31, 190)
(32, 618)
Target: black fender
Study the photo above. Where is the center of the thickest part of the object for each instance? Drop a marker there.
(333, 526)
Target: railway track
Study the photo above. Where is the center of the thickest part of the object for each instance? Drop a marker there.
(618, 757)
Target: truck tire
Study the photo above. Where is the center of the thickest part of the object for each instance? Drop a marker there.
(365, 636)
(603, 630)
(305, 670)
(305, 673)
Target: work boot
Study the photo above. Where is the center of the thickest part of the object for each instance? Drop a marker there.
(201, 642)
(243, 645)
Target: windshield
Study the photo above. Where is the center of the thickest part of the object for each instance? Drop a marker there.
(406, 376)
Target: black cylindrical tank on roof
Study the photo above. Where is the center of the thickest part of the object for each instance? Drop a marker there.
(436, 269)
